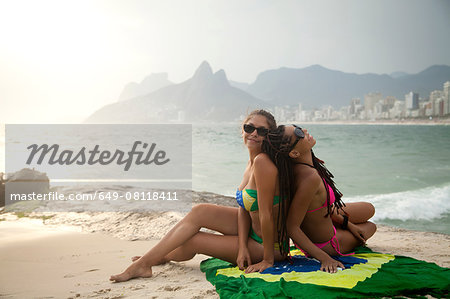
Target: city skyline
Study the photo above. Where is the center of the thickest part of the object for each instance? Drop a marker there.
(375, 107)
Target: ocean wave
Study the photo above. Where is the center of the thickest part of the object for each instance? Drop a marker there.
(423, 204)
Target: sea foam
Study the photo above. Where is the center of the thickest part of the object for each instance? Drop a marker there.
(422, 204)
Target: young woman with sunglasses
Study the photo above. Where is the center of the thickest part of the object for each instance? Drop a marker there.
(185, 239)
(318, 221)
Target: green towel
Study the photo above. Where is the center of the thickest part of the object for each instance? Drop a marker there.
(366, 274)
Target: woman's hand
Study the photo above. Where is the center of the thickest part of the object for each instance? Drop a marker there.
(243, 258)
(330, 265)
(259, 267)
(357, 232)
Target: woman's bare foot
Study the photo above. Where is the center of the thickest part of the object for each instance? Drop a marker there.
(133, 271)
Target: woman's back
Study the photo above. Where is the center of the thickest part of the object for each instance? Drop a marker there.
(316, 224)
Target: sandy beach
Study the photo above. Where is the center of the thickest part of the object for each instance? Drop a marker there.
(72, 255)
(54, 262)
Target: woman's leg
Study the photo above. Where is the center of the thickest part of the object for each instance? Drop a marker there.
(347, 241)
(358, 212)
(218, 246)
(211, 216)
(214, 217)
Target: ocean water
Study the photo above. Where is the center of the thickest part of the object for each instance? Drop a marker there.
(403, 170)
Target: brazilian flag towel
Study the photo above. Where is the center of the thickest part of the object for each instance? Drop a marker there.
(367, 274)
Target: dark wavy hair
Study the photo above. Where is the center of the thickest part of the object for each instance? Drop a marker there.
(273, 147)
(277, 146)
(269, 117)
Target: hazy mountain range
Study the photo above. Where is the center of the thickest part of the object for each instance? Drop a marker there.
(205, 96)
(149, 84)
(211, 96)
(316, 86)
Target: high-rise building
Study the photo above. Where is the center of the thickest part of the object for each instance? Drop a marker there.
(298, 113)
(412, 101)
(439, 107)
(428, 108)
(328, 112)
(446, 96)
(435, 95)
(389, 101)
(279, 113)
(369, 103)
(354, 103)
(398, 110)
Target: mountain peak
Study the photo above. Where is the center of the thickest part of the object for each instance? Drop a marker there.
(316, 67)
(204, 70)
(150, 83)
(221, 77)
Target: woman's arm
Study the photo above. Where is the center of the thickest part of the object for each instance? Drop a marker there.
(244, 222)
(305, 193)
(266, 175)
(343, 221)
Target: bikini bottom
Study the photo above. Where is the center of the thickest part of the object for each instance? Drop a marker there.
(258, 239)
(333, 241)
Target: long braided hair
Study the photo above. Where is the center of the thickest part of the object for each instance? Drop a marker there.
(273, 146)
(326, 175)
(278, 146)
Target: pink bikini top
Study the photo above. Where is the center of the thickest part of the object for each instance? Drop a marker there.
(332, 197)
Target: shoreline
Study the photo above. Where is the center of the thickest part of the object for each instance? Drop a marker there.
(406, 122)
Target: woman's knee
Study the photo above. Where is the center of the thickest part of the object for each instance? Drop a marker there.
(204, 215)
(201, 210)
(370, 210)
(371, 228)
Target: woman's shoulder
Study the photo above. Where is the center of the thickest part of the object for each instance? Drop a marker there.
(262, 160)
(309, 176)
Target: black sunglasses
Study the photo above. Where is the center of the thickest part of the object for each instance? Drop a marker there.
(299, 134)
(261, 130)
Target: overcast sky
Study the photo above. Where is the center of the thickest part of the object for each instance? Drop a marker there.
(62, 60)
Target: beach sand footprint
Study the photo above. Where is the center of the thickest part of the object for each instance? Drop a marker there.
(170, 288)
(70, 275)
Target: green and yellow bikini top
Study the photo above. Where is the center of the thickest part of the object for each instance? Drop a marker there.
(247, 199)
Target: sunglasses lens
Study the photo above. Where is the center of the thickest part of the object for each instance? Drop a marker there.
(262, 131)
(249, 128)
(298, 132)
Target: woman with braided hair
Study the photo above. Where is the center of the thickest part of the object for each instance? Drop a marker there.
(247, 234)
(318, 222)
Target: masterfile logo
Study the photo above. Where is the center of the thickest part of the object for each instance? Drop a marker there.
(113, 167)
(94, 156)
